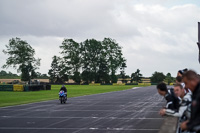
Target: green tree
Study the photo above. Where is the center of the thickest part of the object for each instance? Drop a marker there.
(101, 60)
(122, 72)
(77, 77)
(91, 53)
(136, 76)
(103, 72)
(169, 79)
(21, 57)
(157, 77)
(72, 58)
(92, 60)
(114, 78)
(86, 76)
(58, 73)
(114, 56)
(3, 73)
(44, 76)
(55, 69)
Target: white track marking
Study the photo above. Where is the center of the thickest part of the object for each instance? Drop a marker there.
(91, 128)
(113, 118)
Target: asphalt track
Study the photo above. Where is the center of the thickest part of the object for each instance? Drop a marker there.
(129, 111)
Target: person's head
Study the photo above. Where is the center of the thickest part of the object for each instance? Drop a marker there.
(63, 85)
(179, 90)
(191, 79)
(162, 89)
(181, 72)
(178, 79)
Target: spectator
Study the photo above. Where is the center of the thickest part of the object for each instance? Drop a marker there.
(179, 80)
(172, 100)
(184, 109)
(191, 80)
(181, 72)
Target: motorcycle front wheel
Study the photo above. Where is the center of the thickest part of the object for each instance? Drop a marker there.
(61, 100)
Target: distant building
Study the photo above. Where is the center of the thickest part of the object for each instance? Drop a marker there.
(146, 80)
(127, 80)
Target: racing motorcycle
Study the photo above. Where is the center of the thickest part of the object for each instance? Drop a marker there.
(62, 97)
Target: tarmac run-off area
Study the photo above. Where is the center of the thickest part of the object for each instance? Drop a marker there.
(130, 111)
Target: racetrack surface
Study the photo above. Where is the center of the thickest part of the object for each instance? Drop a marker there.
(128, 111)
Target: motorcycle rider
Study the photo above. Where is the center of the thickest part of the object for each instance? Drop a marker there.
(63, 88)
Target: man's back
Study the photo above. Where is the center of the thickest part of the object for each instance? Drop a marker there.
(172, 100)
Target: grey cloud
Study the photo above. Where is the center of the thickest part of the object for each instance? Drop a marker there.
(154, 34)
(60, 18)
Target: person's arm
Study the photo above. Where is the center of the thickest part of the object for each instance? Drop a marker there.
(184, 105)
(174, 113)
(170, 104)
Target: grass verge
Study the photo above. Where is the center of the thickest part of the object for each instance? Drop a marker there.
(8, 98)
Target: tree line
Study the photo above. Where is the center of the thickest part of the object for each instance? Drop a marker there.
(4, 74)
(156, 77)
(10, 75)
(87, 61)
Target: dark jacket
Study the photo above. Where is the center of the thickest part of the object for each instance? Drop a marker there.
(172, 100)
(64, 89)
(194, 121)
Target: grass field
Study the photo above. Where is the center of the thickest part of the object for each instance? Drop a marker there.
(8, 98)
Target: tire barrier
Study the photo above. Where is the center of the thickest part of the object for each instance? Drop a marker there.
(48, 87)
(36, 87)
(106, 84)
(96, 84)
(24, 87)
(6, 87)
(65, 83)
(144, 84)
(154, 83)
(119, 84)
(131, 83)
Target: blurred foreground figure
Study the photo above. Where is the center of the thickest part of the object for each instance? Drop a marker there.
(198, 43)
(192, 81)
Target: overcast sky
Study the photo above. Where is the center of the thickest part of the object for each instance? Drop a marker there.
(156, 35)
